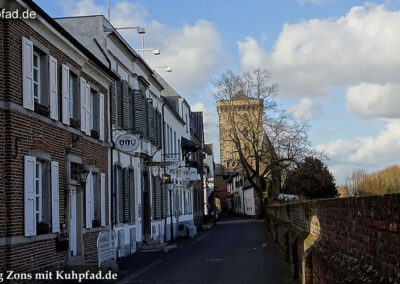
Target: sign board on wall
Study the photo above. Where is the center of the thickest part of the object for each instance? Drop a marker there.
(127, 142)
(189, 174)
(174, 163)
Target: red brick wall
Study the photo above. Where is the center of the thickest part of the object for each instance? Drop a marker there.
(38, 257)
(13, 33)
(358, 237)
(35, 134)
(221, 189)
(90, 244)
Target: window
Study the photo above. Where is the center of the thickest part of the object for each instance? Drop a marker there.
(36, 77)
(167, 142)
(168, 204)
(39, 201)
(175, 150)
(38, 193)
(179, 149)
(74, 99)
(120, 195)
(40, 81)
(185, 198)
(157, 196)
(96, 200)
(170, 142)
(94, 113)
(42, 197)
(132, 196)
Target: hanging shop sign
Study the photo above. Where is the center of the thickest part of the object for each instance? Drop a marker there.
(189, 174)
(157, 164)
(174, 163)
(127, 142)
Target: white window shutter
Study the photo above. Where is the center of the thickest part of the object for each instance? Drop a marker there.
(87, 92)
(101, 118)
(53, 88)
(83, 104)
(29, 195)
(55, 197)
(27, 74)
(103, 199)
(89, 201)
(65, 94)
(92, 189)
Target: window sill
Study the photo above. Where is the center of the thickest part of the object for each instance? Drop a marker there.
(42, 110)
(95, 134)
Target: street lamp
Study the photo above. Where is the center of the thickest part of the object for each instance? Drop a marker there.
(166, 68)
(139, 30)
(80, 174)
(167, 181)
(154, 50)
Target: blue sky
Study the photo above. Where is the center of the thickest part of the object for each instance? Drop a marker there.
(337, 62)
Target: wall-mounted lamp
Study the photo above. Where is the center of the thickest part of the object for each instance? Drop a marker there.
(80, 174)
(154, 50)
(166, 68)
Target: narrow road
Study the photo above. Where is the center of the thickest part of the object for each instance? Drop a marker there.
(234, 252)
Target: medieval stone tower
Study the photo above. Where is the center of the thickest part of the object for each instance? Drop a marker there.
(247, 114)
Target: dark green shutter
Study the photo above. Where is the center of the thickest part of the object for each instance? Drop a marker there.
(163, 200)
(138, 113)
(126, 110)
(145, 119)
(126, 194)
(150, 120)
(157, 198)
(113, 93)
(114, 194)
(160, 130)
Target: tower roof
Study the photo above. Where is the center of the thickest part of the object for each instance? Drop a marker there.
(240, 95)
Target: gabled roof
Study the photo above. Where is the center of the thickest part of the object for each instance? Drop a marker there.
(70, 38)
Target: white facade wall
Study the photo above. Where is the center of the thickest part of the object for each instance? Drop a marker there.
(129, 68)
(183, 211)
(249, 202)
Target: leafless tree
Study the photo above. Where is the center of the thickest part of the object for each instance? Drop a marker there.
(355, 182)
(266, 140)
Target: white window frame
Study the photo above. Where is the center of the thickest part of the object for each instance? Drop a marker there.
(38, 190)
(37, 96)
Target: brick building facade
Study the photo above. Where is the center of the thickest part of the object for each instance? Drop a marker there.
(53, 122)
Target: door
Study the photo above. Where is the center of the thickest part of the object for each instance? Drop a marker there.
(73, 222)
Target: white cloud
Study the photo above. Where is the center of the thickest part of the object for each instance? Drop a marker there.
(82, 8)
(364, 152)
(192, 51)
(372, 100)
(310, 56)
(307, 109)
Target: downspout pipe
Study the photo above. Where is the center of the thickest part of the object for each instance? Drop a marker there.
(163, 147)
(112, 195)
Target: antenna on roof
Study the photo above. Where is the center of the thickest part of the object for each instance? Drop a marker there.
(108, 9)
